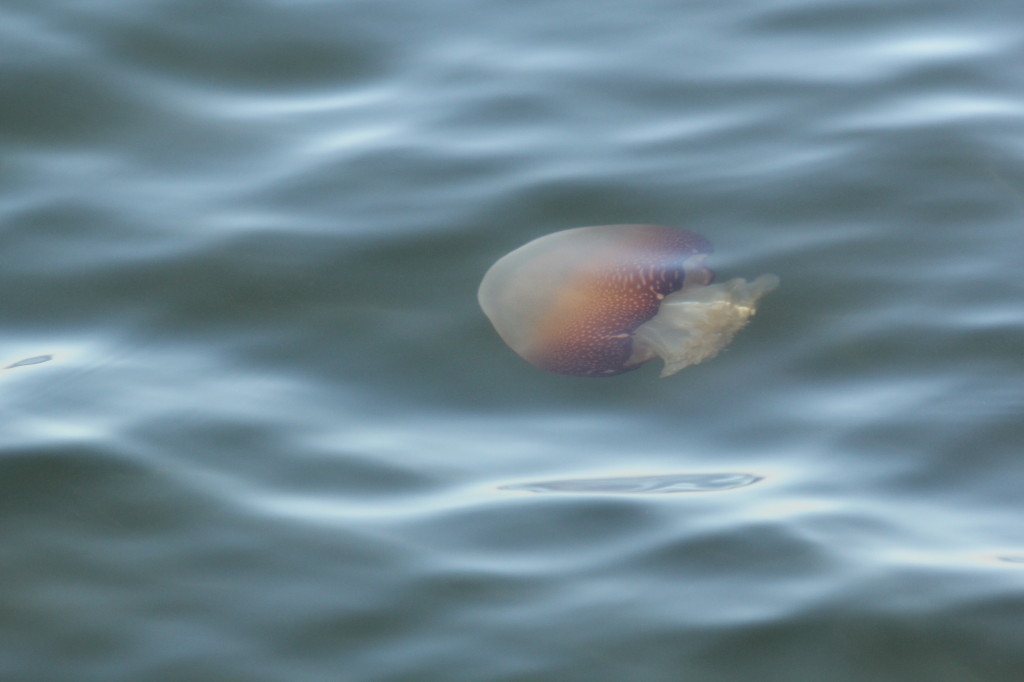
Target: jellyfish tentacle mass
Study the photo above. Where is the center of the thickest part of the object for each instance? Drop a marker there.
(600, 301)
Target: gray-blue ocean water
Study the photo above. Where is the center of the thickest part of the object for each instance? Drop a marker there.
(254, 426)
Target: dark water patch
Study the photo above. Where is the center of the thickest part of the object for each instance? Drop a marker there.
(634, 485)
(86, 487)
(241, 43)
(66, 107)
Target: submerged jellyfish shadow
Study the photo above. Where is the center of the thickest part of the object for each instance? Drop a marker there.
(35, 360)
(632, 485)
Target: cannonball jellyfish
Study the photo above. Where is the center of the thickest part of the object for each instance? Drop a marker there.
(600, 301)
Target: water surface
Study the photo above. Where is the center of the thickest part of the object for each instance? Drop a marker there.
(256, 428)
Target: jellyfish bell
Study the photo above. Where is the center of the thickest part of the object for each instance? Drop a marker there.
(600, 301)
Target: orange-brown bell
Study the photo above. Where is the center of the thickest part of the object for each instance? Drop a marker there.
(570, 302)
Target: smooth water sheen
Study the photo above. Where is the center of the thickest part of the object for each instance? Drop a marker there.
(255, 427)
